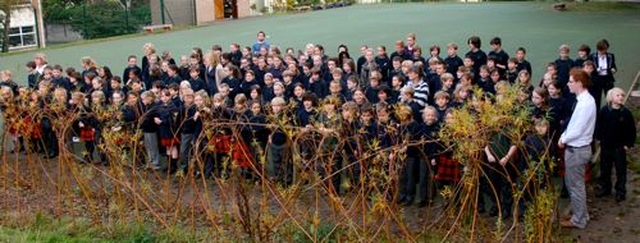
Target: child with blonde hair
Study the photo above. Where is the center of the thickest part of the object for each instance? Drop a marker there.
(616, 131)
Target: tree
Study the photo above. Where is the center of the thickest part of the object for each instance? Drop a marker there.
(99, 18)
(6, 6)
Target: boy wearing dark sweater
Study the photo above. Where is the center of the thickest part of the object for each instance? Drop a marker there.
(616, 131)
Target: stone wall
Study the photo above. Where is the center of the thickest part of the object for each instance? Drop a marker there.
(60, 33)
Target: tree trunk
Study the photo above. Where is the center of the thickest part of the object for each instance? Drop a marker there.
(5, 35)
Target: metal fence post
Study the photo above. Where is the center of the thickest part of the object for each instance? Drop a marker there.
(162, 11)
(84, 20)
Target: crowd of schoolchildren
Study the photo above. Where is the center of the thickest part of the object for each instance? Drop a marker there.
(346, 113)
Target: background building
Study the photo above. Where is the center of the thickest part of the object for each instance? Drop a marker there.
(23, 29)
(197, 12)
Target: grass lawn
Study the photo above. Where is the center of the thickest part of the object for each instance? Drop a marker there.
(535, 26)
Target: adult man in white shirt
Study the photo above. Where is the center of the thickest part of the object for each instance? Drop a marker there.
(577, 140)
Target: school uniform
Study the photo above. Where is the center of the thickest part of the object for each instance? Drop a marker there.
(367, 67)
(200, 150)
(564, 67)
(448, 171)
(177, 102)
(50, 137)
(33, 129)
(319, 88)
(414, 167)
(402, 54)
(351, 150)
(431, 149)
(32, 79)
(502, 176)
(524, 65)
(384, 63)
(371, 93)
(560, 108)
(361, 61)
(210, 80)
(387, 134)
(168, 128)
(487, 86)
(615, 128)
(219, 141)
(245, 87)
(457, 104)
(435, 85)
(86, 132)
(137, 70)
(276, 72)
(267, 94)
(259, 133)
(11, 114)
(306, 117)
(235, 57)
(394, 94)
(420, 59)
(343, 80)
(393, 73)
(367, 133)
(330, 158)
(511, 76)
(453, 63)
(534, 153)
(239, 151)
(579, 62)
(501, 58)
(416, 111)
(175, 79)
(146, 78)
(279, 166)
(202, 71)
(61, 82)
(527, 87)
(602, 78)
(289, 87)
(187, 135)
(87, 71)
(150, 133)
(326, 76)
(234, 86)
(479, 58)
(197, 84)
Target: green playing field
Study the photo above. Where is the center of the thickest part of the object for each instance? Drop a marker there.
(534, 26)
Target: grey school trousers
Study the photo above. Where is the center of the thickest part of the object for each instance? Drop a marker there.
(575, 160)
(186, 145)
(151, 144)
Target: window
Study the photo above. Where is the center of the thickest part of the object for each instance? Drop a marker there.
(24, 36)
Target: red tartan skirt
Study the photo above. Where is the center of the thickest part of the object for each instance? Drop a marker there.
(169, 142)
(448, 169)
(13, 129)
(235, 148)
(32, 129)
(87, 134)
(119, 139)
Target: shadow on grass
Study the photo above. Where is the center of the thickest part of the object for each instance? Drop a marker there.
(601, 6)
